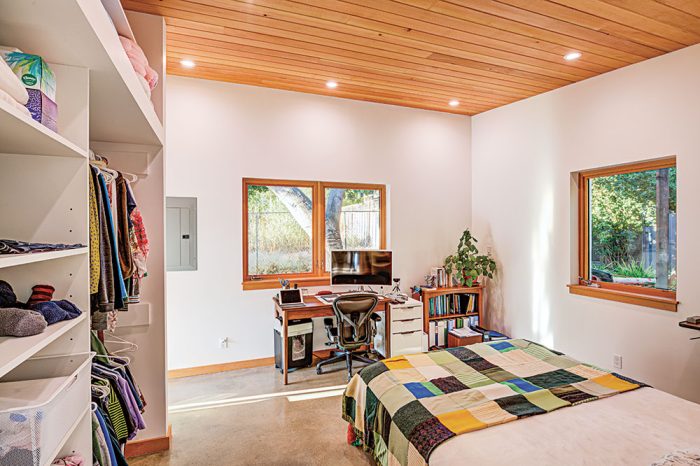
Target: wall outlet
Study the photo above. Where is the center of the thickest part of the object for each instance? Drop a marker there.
(223, 342)
(617, 361)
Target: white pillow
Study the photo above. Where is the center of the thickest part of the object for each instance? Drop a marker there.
(10, 83)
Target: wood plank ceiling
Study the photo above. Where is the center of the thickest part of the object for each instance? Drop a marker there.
(419, 53)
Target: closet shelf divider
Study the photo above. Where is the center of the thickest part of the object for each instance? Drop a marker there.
(13, 260)
(22, 135)
(14, 351)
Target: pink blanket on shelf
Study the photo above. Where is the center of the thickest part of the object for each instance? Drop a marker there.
(139, 61)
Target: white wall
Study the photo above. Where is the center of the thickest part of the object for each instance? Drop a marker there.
(522, 158)
(218, 133)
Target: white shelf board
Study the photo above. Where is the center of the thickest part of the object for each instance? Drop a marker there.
(15, 350)
(13, 260)
(20, 134)
(80, 33)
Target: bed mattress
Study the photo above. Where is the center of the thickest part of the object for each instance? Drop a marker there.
(634, 428)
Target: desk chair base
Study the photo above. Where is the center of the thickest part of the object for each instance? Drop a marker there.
(346, 356)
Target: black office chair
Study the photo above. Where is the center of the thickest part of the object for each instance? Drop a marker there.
(354, 314)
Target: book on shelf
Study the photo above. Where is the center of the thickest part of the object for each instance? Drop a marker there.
(437, 330)
(440, 275)
(451, 304)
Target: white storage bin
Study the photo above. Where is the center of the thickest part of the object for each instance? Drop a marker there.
(40, 401)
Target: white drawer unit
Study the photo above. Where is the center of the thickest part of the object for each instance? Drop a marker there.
(405, 327)
(406, 343)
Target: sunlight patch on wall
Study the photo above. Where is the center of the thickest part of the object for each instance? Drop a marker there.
(540, 270)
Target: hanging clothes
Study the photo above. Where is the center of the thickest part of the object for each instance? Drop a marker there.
(118, 405)
(118, 245)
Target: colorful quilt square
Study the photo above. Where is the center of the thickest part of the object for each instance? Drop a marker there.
(545, 400)
(474, 379)
(491, 413)
(462, 353)
(449, 384)
(410, 415)
(586, 371)
(571, 394)
(467, 399)
(373, 370)
(433, 372)
(441, 357)
(615, 382)
(420, 359)
(480, 364)
(496, 390)
(428, 435)
(554, 379)
(419, 390)
(408, 375)
(518, 405)
(502, 346)
(561, 361)
(497, 374)
(397, 451)
(397, 363)
(461, 421)
(521, 386)
(440, 404)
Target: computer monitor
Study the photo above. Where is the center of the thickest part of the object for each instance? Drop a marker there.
(361, 267)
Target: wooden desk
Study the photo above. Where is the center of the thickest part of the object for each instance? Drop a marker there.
(315, 308)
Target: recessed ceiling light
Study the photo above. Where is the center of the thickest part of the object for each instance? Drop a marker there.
(331, 84)
(454, 102)
(188, 63)
(572, 56)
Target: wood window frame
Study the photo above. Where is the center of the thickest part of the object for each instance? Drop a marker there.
(318, 276)
(648, 297)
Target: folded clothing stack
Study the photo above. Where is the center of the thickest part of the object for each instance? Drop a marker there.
(22, 320)
(11, 89)
(11, 246)
(148, 76)
(39, 82)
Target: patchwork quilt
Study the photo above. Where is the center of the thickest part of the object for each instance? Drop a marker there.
(402, 408)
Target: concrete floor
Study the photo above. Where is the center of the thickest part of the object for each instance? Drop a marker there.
(248, 417)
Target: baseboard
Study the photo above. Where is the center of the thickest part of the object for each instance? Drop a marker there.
(149, 445)
(224, 367)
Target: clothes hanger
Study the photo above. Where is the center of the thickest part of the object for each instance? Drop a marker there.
(102, 390)
(116, 361)
(131, 347)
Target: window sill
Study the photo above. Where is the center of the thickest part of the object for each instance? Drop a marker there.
(655, 302)
(274, 283)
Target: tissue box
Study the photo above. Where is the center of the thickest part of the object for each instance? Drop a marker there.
(32, 70)
(43, 109)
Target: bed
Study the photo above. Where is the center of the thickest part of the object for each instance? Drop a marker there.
(455, 407)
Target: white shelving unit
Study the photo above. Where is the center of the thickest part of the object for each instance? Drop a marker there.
(44, 175)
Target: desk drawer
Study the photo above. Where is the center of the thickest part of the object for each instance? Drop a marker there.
(406, 313)
(402, 326)
(406, 343)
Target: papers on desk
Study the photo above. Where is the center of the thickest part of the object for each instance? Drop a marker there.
(464, 332)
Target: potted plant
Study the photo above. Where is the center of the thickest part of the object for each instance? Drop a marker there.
(466, 264)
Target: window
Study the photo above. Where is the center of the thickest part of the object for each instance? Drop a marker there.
(290, 227)
(627, 233)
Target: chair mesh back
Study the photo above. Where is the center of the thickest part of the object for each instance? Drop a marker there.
(353, 312)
